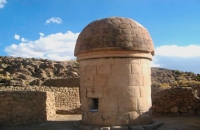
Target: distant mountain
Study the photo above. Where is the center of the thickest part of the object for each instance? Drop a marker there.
(30, 71)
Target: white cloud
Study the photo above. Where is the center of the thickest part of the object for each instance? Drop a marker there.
(184, 58)
(17, 37)
(154, 62)
(58, 46)
(178, 51)
(24, 40)
(2, 3)
(41, 34)
(54, 20)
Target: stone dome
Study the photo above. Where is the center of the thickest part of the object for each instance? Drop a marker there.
(114, 33)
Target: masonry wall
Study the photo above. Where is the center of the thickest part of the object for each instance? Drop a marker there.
(169, 101)
(122, 88)
(66, 98)
(176, 101)
(22, 107)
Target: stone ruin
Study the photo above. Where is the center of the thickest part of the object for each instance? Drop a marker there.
(114, 55)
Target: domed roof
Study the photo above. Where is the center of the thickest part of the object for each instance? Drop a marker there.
(114, 33)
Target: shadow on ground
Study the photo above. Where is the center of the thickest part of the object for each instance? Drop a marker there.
(65, 122)
(49, 125)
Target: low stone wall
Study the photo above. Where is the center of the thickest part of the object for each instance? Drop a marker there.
(176, 101)
(168, 101)
(67, 99)
(22, 107)
(63, 82)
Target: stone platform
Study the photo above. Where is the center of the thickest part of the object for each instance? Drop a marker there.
(154, 125)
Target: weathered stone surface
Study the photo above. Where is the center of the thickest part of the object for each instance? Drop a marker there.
(119, 128)
(27, 106)
(114, 56)
(62, 82)
(107, 34)
(174, 110)
(176, 100)
(104, 128)
(183, 109)
(108, 87)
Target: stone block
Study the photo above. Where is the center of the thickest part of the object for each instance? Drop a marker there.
(97, 119)
(174, 110)
(92, 62)
(83, 93)
(109, 118)
(110, 91)
(119, 128)
(28, 106)
(147, 80)
(144, 103)
(145, 91)
(120, 68)
(129, 91)
(127, 104)
(86, 118)
(88, 80)
(145, 61)
(102, 61)
(84, 104)
(146, 69)
(90, 70)
(94, 92)
(82, 70)
(108, 104)
(100, 80)
(83, 63)
(82, 81)
(103, 69)
(104, 128)
(135, 80)
(122, 118)
(183, 109)
(134, 60)
(117, 80)
(136, 69)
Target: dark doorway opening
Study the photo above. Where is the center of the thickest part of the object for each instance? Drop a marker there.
(94, 104)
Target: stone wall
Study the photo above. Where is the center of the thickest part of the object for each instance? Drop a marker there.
(118, 88)
(62, 82)
(68, 101)
(22, 107)
(176, 101)
(169, 101)
(66, 98)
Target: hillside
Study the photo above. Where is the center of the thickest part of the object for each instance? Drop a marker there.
(30, 71)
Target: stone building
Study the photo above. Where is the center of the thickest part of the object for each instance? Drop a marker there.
(114, 56)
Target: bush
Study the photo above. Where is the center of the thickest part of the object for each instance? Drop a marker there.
(177, 72)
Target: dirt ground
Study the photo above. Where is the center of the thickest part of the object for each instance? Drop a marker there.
(64, 122)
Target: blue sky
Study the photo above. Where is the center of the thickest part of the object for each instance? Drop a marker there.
(49, 28)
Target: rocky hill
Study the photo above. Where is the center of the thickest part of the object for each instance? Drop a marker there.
(30, 71)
